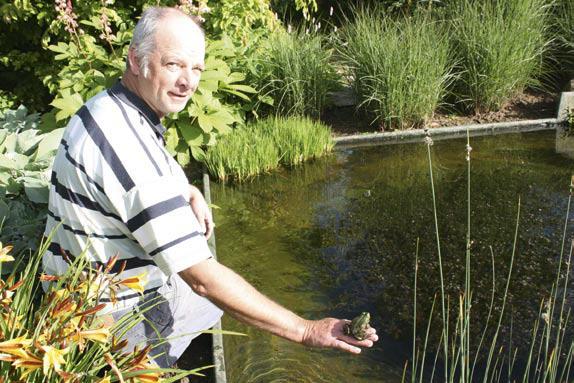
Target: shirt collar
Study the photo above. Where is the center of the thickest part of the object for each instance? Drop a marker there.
(133, 100)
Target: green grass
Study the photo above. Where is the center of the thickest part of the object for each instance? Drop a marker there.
(265, 144)
(564, 16)
(242, 154)
(401, 68)
(295, 71)
(500, 47)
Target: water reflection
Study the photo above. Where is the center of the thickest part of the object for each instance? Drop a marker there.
(338, 237)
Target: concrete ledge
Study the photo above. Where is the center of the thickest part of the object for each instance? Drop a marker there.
(218, 354)
(417, 135)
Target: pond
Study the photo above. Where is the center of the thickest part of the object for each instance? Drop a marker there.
(338, 236)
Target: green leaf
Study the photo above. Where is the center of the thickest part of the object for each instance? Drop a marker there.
(183, 158)
(68, 105)
(36, 190)
(191, 133)
(13, 161)
(49, 143)
(198, 153)
(171, 140)
(26, 141)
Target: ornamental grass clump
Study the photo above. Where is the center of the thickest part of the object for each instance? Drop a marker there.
(57, 336)
(264, 145)
(298, 139)
(400, 68)
(242, 155)
(295, 71)
(499, 46)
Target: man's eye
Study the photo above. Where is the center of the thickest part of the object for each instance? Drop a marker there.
(172, 66)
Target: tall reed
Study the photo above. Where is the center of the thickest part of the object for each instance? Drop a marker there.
(551, 352)
(499, 46)
(296, 71)
(564, 47)
(400, 68)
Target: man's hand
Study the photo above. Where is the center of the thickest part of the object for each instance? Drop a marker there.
(201, 211)
(329, 332)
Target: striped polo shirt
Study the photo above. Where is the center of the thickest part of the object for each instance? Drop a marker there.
(115, 190)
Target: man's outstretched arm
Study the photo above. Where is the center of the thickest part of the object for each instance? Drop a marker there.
(237, 297)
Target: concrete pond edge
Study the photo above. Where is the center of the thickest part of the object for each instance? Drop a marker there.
(566, 104)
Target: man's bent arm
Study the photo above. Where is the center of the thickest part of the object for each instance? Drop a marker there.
(237, 297)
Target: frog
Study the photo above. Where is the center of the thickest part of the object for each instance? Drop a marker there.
(357, 328)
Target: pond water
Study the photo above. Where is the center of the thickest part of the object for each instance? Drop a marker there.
(338, 236)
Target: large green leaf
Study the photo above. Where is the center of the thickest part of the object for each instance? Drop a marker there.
(13, 161)
(27, 141)
(171, 140)
(191, 133)
(67, 105)
(36, 190)
(49, 144)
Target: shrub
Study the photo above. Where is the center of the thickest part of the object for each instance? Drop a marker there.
(26, 157)
(400, 68)
(295, 70)
(263, 145)
(499, 45)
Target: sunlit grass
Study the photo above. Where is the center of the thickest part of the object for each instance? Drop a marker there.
(296, 72)
(499, 46)
(400, 67)
(265, 144)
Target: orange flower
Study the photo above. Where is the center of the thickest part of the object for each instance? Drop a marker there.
(4, 256)
(29, 363)
(53, 358)
(137, 282)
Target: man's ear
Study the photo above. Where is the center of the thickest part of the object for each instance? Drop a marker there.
(133, 61)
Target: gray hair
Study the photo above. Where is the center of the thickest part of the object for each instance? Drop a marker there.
(143, 40)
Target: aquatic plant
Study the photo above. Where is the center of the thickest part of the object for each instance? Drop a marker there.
(551, 351)
(499, 46)
(242, 155)
(400, 68)
(298, 139)
(265, 144)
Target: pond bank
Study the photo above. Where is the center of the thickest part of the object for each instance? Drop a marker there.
(406, 136)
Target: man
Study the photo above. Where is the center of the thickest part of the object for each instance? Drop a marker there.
(116, 191)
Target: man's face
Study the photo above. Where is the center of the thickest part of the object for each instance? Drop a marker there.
(175, 66)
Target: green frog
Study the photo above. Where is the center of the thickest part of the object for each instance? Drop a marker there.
(358, 326)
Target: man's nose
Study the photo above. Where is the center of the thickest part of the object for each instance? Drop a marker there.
(188, 79)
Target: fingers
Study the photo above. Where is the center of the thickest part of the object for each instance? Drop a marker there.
(347, 347)
(209, 225)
